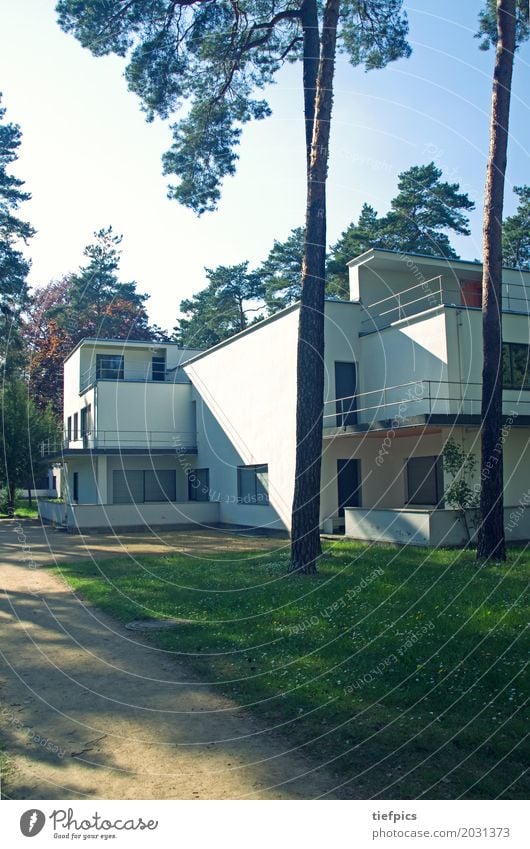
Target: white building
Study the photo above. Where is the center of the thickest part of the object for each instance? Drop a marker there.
(155, 435)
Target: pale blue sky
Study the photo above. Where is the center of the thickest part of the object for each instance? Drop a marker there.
(89, 159)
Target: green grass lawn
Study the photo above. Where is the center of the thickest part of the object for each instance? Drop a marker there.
(402, 668)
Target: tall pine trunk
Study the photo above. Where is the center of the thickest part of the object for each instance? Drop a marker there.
(491, 541)
(305, 534)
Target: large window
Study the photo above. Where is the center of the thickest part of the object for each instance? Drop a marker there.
(424, 480)
(515, 366)
(253, 484)
(109, 366)
(199, 485)
(139, 486)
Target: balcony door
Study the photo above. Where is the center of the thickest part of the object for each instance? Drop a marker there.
(345, 388)
(348, 484)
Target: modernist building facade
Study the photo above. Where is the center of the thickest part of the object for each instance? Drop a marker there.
(156, 435)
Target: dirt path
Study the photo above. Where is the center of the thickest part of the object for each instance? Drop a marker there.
(89, 710)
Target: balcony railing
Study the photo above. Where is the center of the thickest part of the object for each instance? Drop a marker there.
(138, 375)
(434, 293)
(179, 442)
(401, 402)
(404, 304)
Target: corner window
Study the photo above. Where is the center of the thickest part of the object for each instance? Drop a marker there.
(424, 480)
(515, 366)
(199, 485)
(253, 484)
(109, 366)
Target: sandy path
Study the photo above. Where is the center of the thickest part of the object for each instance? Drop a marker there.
(90, 710)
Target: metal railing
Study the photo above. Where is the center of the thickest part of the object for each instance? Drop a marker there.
(418, 397)
(138, 375)
(404, 304)
(433, 293)
(121, 439)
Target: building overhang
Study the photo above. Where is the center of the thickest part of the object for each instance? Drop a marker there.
(70, 453)
(427, 423)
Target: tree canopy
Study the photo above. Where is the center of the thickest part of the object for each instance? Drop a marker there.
(14, 232)
(222, 309)
(212, 57)
(516, 232)
(23, 428)
(89, 303)
(421, 215)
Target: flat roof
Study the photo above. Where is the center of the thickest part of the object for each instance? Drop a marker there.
(386, 253)
(145, 343)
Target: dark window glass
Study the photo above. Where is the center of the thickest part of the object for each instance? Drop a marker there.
(253, 484)
(128, 486)
(137, 486)
(424, 480)
(515, 366)
(85, 419)
(69, 428)
(158, 368)
(160, 485)
(109, 367)
(199, 485)
(76, 426)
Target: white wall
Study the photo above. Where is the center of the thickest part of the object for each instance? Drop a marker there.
(246, 404)
(127, 413)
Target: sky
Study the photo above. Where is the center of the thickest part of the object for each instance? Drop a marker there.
(89, 158)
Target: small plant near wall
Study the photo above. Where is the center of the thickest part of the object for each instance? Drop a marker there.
(460, 494)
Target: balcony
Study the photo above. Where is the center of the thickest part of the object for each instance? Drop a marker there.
(436, 292)
(123, 441)
(410, 403)
(128, 375)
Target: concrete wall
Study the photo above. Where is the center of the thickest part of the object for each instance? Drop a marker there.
(136, 414)
(122, 516)
(383, 484)
(412, 351)
(435, 528)
(246, 402)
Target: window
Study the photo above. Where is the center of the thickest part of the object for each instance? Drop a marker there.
(515, 366)
(85, 419)
(253, 484)
(75, 486)
(158, 368)
(138, 486)
(199, 485)
(69, 428)
(424, 480)
(76, 426)
(109, 367)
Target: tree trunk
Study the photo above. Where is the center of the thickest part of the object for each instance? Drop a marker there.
(491, 542)
(309, 18)
(305, 535)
